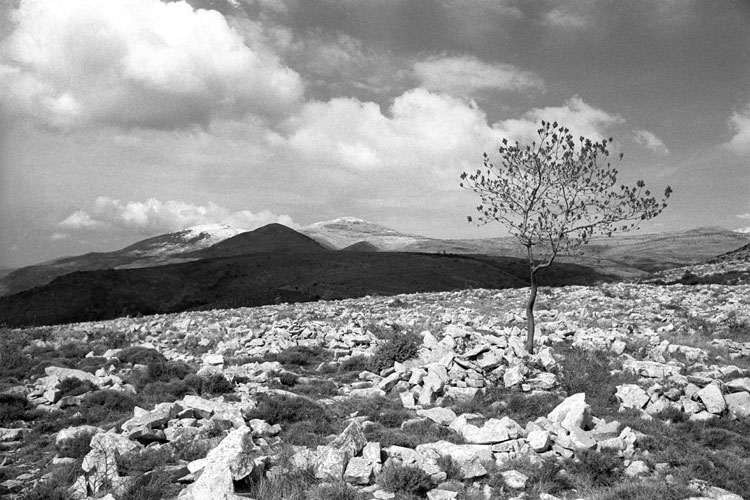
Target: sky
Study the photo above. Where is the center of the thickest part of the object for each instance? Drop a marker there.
(124, 119)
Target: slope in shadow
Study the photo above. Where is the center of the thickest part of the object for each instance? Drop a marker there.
(267, 278)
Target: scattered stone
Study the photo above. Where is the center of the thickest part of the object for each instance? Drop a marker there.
(631, 396)
(712, 398)
(572, 413)
(442, 416)
(514, 479)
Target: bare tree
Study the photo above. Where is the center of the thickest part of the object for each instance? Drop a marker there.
(554, 195)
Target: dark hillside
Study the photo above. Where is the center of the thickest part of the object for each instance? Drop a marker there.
(261, 279)
(271, 238)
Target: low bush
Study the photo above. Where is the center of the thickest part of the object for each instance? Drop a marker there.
(154, 485)
(138, 355)
(414, 435)
(338, 490)
(590, 371)
(404, 479)
(498, 402)
(77, 447)
(301, 356)
(293, 484)
(106, 407)
(303, 421)
(398, 347)
(450, 467)
(215, 385)
(590, 468)
(56, 486)
(13, 407)
(72, 386)
(641, 490)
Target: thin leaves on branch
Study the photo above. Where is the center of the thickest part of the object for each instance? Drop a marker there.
(558, 193)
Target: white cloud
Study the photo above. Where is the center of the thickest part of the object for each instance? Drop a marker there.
(648, 139)
(582, 119)
(81, 220)
(156, 217)
(743, 216)
(571, 14)
(139, 63)
(465, 75)
(740, 124)
(423, 133)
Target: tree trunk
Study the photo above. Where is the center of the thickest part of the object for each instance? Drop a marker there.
(530, 312)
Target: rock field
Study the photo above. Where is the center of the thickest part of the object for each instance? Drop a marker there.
(679, 350)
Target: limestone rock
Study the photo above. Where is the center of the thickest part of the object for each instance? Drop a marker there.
(230, 461)
(359, 471)
(636, 468)
(631, 396)
(539, 440)
(572, 413)
(712, 398)
(739, 385)
(739, 404)
(514, 479)
(439, 415)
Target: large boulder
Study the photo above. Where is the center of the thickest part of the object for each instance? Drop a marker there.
(712, 399)
(230, 461)
(333, 459)
(632, 396)
(572, 413)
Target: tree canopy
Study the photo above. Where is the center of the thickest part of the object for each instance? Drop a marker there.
(555, 195)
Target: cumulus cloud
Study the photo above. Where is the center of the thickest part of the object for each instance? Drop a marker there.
(155, 217)
(581, 118)
(465, 75)
(649, 140)
(740, 124)
(744, 216)
(136, 63)
(422, 132)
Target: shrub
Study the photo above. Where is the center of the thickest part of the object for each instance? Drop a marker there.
(293, 484)
(56, 487)
(301, 356)
(303, 421)
(215, 385)
(450, 467)
(333, 491)
(154, 485)
(77, 447)
(589, 371)
(12, 407)
(644, 491)
(138, 355)
(404, 479)
(498, 401)
(106, 406)
(72, 386)
(399, 347)
(594, 468)
(169, 370)
(137, 462)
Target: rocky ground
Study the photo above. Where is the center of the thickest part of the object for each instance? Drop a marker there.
(634, 391)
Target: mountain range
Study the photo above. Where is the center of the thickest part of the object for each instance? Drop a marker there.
(629, 256)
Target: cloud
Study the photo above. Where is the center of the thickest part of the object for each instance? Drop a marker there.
(581, 118)
(648, 139)
(422, 132)
(157, 217)
(463, 76)
(137, 63)
(743, 216)
(740, 124)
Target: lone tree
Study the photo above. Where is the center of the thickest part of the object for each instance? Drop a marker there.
(554, 195)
